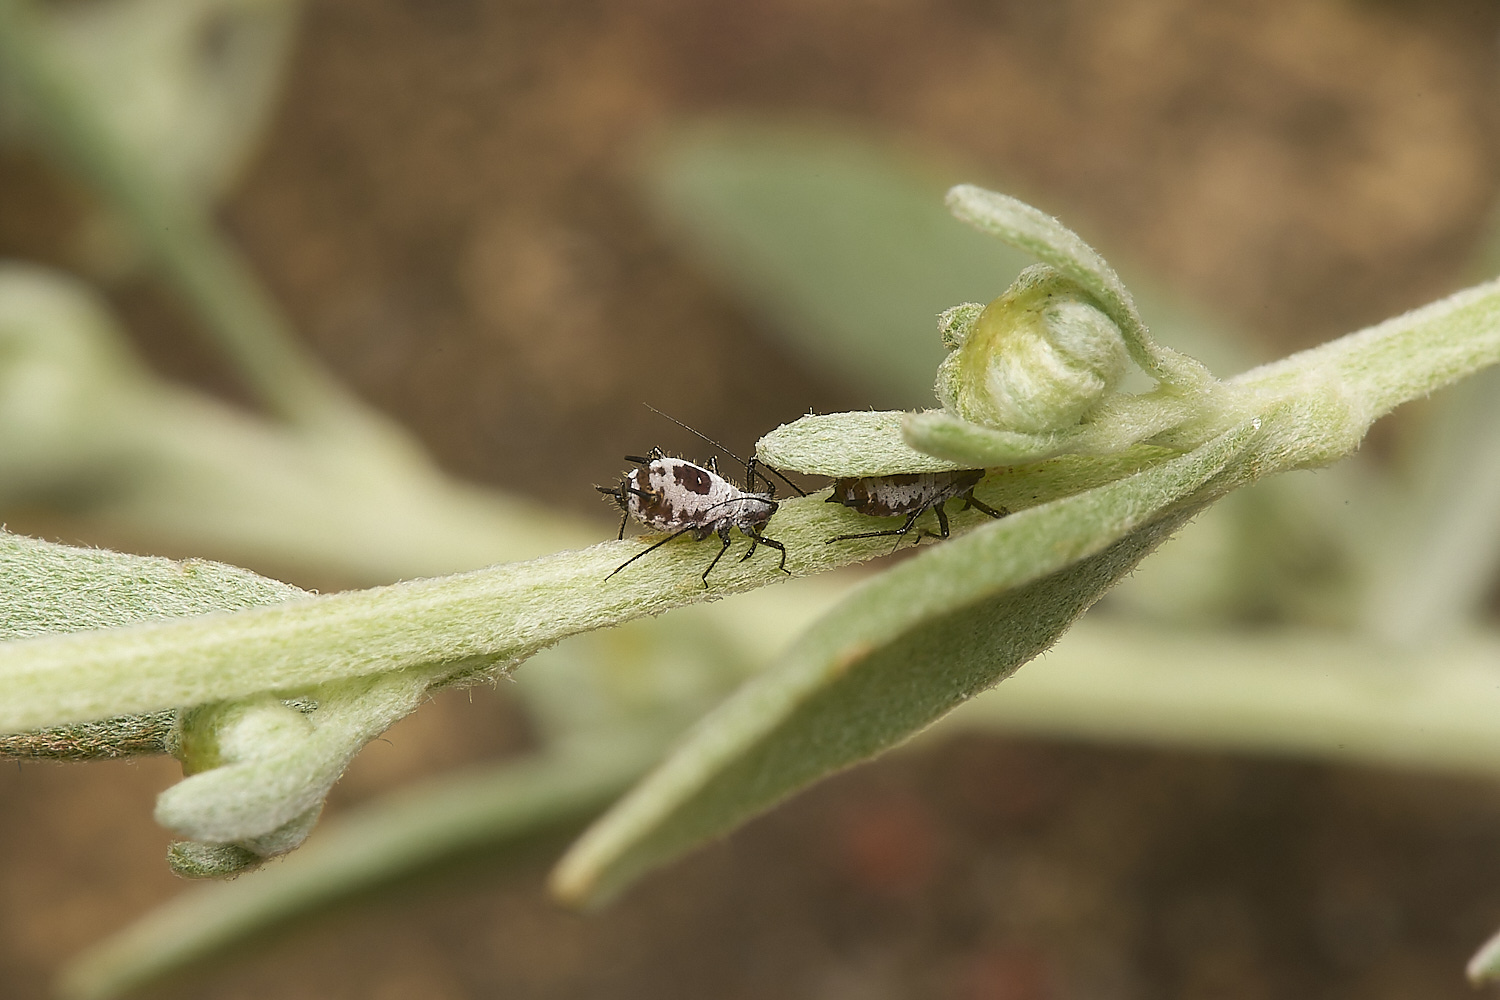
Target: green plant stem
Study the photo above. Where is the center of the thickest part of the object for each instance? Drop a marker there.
(475, 622)
(1404, 358)
(1287, 691)
(247, 324)
(1451, 529)
(1315, 407)
(903, 650)
(122, 736)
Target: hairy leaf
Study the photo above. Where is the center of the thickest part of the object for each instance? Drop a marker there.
(52, 589)
(59, 588)
(859, 443)
(897, 654)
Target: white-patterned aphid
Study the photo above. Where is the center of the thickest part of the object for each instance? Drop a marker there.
(675, 495)
(912, 494)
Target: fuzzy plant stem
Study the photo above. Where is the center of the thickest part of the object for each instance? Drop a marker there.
(1316, 404)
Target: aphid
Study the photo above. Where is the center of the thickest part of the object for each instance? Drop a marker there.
(911, 494)
(675, 495)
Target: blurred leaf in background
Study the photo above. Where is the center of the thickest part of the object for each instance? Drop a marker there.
(186, 85)
(839, 238)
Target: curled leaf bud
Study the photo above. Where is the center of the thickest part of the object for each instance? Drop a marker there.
(191, 859)
(1035, 360)
(955, 322)
(230, 732)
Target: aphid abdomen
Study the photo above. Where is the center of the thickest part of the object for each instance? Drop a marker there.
(910, 494)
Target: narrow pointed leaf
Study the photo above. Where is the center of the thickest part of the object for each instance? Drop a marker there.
(896, 655)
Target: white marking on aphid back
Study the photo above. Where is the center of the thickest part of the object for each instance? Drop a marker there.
(912, 494)
(674, 495)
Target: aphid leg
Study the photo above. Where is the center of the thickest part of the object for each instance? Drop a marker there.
(752, 470)
(719, 555)
(623, 521)
(910, 520)
(638, 459)
(754, 541)
(969, 501)
(942, 517)
(652, 548)
(750, 475)
(773, 543)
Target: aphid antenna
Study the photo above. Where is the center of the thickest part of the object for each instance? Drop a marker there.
(750, 467)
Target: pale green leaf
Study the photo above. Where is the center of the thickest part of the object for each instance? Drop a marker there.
(1117, 423)
(250, 798)
(891, 442)
(897, 654)
(54, 589)
(859, 443)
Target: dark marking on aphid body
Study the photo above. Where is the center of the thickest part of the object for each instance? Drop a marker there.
(683, 498)
(693, 479)
(911, 494)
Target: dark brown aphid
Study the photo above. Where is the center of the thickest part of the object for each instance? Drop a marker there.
(911, 494)
(675, 495)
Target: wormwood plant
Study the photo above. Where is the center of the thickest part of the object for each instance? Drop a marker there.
(265, 692)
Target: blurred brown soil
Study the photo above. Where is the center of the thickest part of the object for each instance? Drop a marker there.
(445, 204)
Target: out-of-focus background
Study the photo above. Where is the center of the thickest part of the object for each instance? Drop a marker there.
(481, 217)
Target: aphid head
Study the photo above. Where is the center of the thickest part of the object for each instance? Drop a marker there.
(761, 513)
(849, 492)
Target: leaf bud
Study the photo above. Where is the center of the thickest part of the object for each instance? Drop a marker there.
(1035, 360)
